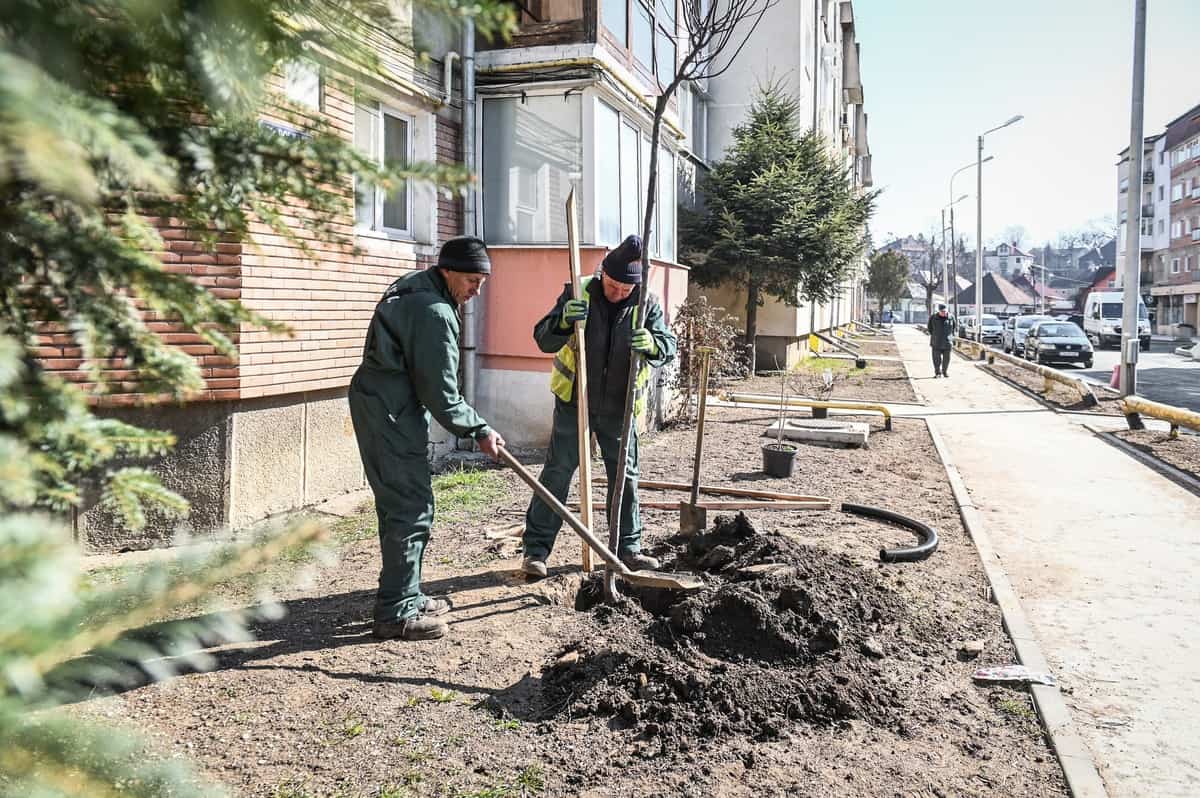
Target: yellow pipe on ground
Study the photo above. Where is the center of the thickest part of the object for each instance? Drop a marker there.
(1048, 375)
(746, 399)
(1176, 416)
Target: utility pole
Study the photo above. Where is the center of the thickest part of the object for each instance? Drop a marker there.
(1133, 206)
(979, 227)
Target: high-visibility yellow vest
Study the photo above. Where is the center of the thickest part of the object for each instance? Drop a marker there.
(562, 375)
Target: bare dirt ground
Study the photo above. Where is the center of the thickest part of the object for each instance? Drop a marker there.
(880, 381)
(833, 675)
(1059, 395)
(1182, 452)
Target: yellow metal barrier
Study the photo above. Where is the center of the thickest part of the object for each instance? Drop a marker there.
(747, 399)
(1048, 375)
(1177, 417)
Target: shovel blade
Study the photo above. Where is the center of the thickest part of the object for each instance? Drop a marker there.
(693, 519)
(686, 583)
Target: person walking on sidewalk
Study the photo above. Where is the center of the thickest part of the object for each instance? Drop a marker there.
(409, 371)
(612, 334)
(941, 328)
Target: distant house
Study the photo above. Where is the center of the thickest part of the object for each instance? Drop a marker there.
(1000, 297)
(1101, 256)
(1105, 279)
(1006, 259)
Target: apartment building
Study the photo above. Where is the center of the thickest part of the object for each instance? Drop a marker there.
(1176, 288)
(271, 431)
(1152, 186)
(810, 48)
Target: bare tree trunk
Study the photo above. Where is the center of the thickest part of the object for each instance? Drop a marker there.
(752, 292)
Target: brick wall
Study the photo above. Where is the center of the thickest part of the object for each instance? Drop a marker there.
(326, 295)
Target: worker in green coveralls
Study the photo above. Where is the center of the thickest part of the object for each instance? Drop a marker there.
(409, 372)
(612, 332)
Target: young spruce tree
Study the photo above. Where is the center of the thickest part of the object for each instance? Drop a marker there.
(781, 216)
(114, 113)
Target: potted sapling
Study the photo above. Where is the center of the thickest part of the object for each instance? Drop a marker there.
(779, 457)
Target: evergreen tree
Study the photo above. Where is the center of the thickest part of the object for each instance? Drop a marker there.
(781, 215)
(887, 278)
(114, 113)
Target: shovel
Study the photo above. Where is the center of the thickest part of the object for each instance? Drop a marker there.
(659, 579)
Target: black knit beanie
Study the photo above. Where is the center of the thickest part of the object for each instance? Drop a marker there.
(624, 264)
(465, 254)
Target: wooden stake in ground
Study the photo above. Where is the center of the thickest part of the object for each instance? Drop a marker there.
(692, 517)
(581, 402)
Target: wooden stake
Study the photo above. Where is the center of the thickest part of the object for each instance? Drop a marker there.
(717, 490)
(581, 394)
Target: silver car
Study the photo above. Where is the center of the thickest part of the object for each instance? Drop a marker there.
(1015, 330)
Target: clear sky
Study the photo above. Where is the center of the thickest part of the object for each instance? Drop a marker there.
(937, 73)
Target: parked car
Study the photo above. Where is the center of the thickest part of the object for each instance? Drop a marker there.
(1102, 315)
(1015, 328)
(1058, 342)
(993, 330)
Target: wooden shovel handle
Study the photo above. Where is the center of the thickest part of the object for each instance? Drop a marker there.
(572, 520)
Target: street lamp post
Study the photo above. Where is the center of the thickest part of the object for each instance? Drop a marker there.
(1133, 213)
(945, 257)
(1042, 293)
(953, 240)
(979, 227)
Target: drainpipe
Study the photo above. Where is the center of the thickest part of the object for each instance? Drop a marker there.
(470, 319)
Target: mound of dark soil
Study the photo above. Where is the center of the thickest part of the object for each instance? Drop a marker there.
(784, 633)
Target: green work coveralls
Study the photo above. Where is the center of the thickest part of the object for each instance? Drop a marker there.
(608, 331)
(408, 372)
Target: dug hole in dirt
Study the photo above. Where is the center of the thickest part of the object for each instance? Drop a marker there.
(784, 633)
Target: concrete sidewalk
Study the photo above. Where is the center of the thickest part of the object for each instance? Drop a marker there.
(1104, 555)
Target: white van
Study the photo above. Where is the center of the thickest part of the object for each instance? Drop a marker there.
(1102, 319)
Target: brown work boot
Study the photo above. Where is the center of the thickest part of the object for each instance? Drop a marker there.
(636, 561)
(418, 627)
(534, 567)
(433, 607)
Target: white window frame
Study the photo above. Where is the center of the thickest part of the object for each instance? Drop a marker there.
(1174, 265)
(377, 227)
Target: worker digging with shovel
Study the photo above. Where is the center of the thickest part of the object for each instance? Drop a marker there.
(409, 372)
(612, 333)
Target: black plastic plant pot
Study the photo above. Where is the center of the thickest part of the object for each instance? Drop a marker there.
(778, 459)
(820, 412)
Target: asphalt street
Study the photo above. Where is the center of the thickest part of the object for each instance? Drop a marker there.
(1162, 376)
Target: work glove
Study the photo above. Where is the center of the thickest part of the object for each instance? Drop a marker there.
(575, 310)
(644, 342)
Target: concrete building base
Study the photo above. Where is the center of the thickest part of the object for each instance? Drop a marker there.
(237, 463)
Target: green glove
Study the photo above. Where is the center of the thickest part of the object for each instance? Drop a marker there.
(644, 342)
(575, 310)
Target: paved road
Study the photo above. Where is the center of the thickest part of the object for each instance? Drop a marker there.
(1103, 555)
(1163, 376)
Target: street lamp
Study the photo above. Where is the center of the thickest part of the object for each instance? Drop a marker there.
(1042, 293)
(1133, 214)
(979, 227)
(945, 261)
(953, 253)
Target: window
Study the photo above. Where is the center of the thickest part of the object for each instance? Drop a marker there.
(532, 156)
(1176, 229)
(615, 16)
(1162, 226)
(385, 135)
(1162, 193)
(608, 179)
(1174, 265)
(643, 186)
(1187, 263)
(666, 203)
(631, 195)
(302, 83)
(642, 38)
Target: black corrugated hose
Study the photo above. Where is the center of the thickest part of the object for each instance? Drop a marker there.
(925, 533)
